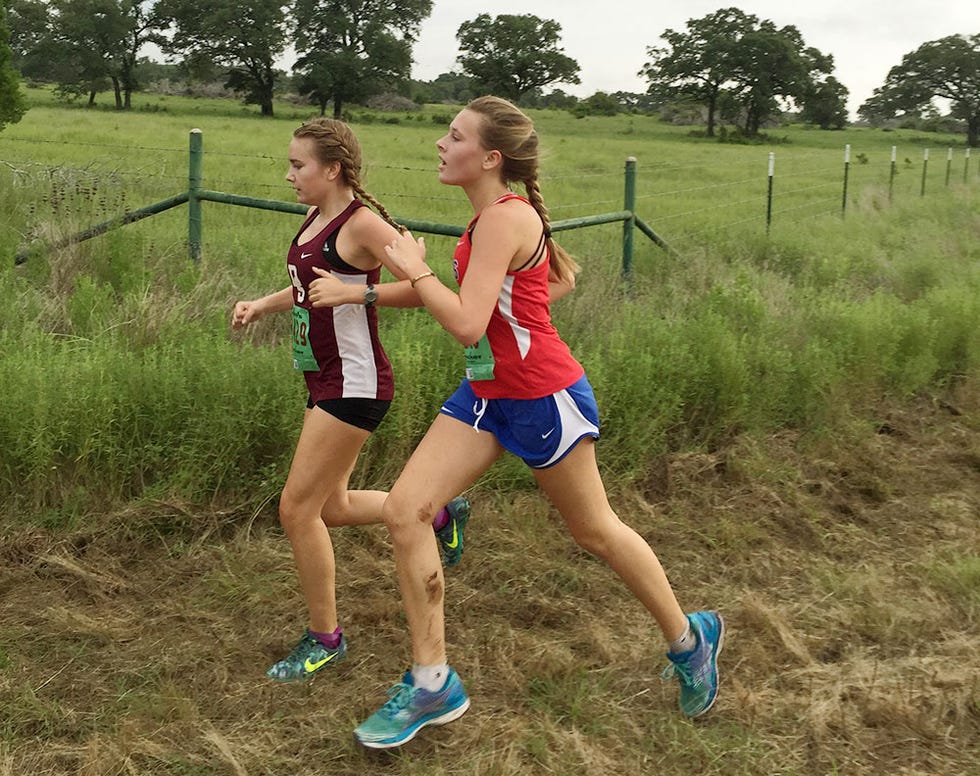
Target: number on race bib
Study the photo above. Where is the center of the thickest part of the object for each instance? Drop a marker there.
(297, 284)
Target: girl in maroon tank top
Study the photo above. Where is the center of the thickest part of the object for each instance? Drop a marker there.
(347, 373)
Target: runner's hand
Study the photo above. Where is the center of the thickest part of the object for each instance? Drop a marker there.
(328, 291)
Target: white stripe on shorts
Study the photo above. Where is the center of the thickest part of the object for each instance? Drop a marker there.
(574, 426)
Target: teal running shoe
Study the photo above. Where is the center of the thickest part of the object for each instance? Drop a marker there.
(450, 536)
(409, 709)
(697, 670)
(307, 658)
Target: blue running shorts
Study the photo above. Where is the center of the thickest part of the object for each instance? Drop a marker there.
(539, 431)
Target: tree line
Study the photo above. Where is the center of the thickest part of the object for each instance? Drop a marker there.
(727, 67)
(346, 50)
(746, 70)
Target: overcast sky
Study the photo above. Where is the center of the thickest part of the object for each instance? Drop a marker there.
(609, 38)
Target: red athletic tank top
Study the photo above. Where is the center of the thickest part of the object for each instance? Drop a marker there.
(530, 358)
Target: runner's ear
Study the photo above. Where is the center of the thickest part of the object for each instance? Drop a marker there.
(492, 159)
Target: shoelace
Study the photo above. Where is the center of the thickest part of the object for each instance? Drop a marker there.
(678, 668)
(300, 649)
(399, 696)
(285, 665)
(304, 644)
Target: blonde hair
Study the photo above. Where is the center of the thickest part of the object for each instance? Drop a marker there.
(334, 141)
(505, 128)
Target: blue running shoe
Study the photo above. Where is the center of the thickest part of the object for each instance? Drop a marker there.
(450, 536)
(697, 670)
(307, 658)
(409, 709)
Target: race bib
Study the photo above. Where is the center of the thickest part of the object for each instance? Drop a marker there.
(479, 360)
(303, 357)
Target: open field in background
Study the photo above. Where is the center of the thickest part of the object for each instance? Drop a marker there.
(690, 190)
(793, 422)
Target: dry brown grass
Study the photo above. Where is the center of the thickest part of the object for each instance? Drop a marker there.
(849, 573)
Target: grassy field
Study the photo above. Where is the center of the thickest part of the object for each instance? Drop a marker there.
(792, 421)
(690, 189)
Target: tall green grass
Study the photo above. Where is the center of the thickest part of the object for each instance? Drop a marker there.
(121, 379)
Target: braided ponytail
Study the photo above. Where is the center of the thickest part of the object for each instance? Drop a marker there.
(508, 130)
(355, 184)
(335, 141)
(563, 267)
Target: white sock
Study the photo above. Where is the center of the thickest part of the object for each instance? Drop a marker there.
(431, 678)
(685, 642)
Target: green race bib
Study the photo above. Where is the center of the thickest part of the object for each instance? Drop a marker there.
(479, 360)
(303, 357)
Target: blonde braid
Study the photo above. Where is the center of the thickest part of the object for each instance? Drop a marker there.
(508, 130)
(563, 267)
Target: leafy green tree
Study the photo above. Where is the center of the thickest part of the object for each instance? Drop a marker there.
(80, 44)
(826, 104)
(633, 102)
(83, 45)
(12, 105)
(454, 88)
(734, 57)
(948, 68)
(697, 63)
(101, 40)
(139, 30)
(599, 104)
(242, 36)
(876, 110)
(29, 26)
(771, 67)
(557, 99)
(350, 50)
(511, 55)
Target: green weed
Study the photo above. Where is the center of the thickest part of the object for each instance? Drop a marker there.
(958, 577)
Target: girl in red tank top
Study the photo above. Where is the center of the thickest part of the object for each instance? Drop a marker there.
(523, 392)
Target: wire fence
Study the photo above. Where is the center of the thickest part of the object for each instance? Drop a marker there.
(679, 206)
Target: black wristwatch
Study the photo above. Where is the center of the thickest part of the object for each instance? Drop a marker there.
(370, 296)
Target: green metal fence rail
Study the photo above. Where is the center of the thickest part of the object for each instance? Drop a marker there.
(195, 195)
